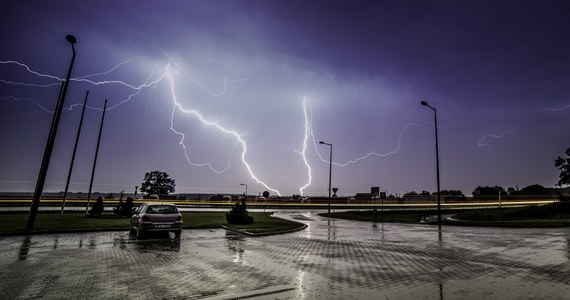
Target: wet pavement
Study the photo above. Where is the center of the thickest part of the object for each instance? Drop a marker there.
(330, 259)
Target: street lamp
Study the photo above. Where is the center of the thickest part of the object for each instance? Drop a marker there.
(245, 194)
(50, 142)
(330, 172)
(424, 103)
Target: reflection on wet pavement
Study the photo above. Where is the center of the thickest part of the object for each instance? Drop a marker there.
(329, 259)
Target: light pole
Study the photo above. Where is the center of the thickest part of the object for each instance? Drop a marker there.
(51, 139)
(73, 155)
(330, 172)
(95, 159)
(245, 194)
(424, 103)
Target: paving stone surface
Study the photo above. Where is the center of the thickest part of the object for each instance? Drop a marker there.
(330, 259)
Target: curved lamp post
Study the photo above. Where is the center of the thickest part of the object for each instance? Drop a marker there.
(51, 139)
(330, 172)
(424, 103)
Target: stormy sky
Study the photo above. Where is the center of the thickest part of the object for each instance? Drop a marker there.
(219, 93)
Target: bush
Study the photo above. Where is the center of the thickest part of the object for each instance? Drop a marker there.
(124, 209)
(238, 214)
(98, 207)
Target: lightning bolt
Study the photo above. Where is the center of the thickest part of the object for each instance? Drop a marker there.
(150, 82)
(29, 100)
(371, 154)
(238, 137)
(308, 132)
(559, 108)
(172, 68)
(495, 136)
(137, 89)
(107, 72)
(76, 79)
(2, 62)
(227, 84)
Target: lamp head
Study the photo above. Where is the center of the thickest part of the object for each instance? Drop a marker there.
(70, 38)
(424, 103)
(321, 142)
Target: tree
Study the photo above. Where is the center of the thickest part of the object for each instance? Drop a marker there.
(157, 182)
(411, 194)
(511, 191)
(457, 194)
(97, 208)
(488, 191)
(238, 214)
(124, 208)
(563, 164)
(534, 189)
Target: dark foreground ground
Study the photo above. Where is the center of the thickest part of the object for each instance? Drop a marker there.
(333, 258)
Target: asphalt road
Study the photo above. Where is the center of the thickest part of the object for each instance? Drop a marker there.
(330, 259)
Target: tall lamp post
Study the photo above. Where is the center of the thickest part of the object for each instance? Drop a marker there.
(330, 172)
(245, 194)
(50, 142)
(424, 103)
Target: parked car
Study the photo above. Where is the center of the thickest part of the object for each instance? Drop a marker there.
(155, 217)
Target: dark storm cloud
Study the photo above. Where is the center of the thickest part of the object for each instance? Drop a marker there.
(489, 66)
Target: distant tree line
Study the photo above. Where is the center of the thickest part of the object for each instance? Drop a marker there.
(456, 194)
(531, 190)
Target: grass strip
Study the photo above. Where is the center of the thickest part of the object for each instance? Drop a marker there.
(551, 215)
(264, 223)
(72, 221)
(388, 216)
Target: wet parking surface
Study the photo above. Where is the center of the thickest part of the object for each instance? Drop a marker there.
(329, 259)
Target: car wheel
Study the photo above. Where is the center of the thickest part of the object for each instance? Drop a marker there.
(139, 232)
(132, 230)
(177, 234)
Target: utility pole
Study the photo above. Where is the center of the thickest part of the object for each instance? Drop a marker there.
(95, 160)
(73, 155)
(50, 142)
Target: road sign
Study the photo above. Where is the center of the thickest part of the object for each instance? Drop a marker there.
(375, 190)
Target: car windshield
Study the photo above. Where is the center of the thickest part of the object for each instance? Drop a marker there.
(162, 209)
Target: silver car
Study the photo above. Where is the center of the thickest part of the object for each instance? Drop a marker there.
(155, 217)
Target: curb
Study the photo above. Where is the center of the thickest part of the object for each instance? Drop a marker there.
(39, 232)
(245, 232)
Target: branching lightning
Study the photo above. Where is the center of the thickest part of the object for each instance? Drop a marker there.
(227, 84)
(106, 72)
(168, 75)
(559, 108)
(308, 132)
(215, 125)
(29, 100)
(149, 82)
(495, 136)
(371, 154)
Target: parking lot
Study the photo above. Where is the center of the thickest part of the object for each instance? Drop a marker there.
(329, 259)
